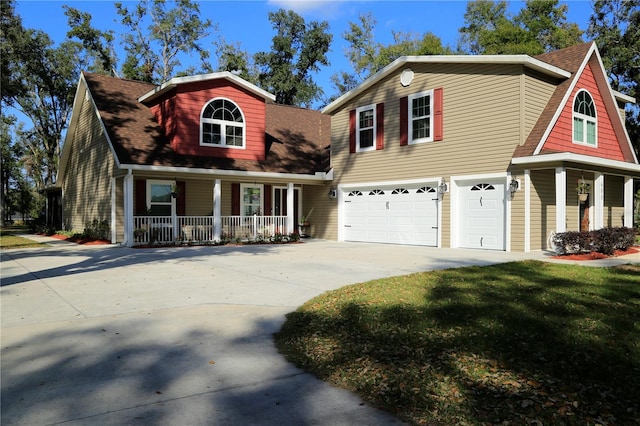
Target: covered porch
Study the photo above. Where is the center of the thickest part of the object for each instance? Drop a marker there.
(191, 208)
(572, 192)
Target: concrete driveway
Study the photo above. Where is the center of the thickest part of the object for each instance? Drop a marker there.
(109, 335)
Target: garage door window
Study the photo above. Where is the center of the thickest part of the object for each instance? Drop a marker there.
(483, 187)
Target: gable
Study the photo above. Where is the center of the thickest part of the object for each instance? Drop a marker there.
(179, 114)
(560, 138)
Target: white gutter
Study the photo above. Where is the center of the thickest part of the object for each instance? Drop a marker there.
(577, 158)
(318, 177)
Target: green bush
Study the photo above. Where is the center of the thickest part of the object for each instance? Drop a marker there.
(98, 230)
(605, 240)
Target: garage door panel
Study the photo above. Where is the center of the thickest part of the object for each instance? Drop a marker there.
(404, 216)
(481, 217)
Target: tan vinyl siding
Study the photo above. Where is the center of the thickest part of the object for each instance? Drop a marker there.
(89, 170)
(538, 91)
(324, 218)
(120, 209)
(613, 201)
(543, 207)
(199, 197)
(481, 126)
(517, 220)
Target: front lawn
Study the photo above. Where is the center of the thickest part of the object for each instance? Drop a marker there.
(10, 240)
(517, 343)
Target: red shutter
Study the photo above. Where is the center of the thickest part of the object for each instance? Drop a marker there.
(141, 197)
(404, 121)
(352, 131)
(380, 126)
(235, 199)
(181, 204)
(438, 133)
(267, 201)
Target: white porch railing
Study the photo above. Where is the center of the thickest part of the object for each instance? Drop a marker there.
(163, 230)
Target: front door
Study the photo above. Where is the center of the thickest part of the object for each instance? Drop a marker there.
(584, 215)
(280, 202)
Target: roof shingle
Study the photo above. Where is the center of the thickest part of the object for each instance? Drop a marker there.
(297, 139)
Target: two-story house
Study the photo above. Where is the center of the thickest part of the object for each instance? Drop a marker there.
(447, 151)
(481, 151)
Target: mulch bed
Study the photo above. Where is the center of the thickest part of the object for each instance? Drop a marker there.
(80, 240)
(594, 255)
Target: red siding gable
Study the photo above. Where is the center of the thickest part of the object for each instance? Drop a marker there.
(561, 137)
(179, 116)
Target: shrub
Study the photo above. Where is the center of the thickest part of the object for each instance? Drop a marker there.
(605, 240)
(98, 230)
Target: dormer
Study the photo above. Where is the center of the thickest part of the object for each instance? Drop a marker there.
(211, 115)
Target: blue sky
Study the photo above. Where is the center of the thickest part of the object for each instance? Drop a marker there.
(247, 21)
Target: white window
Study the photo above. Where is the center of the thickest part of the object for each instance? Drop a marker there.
(421, 117)
(366, 128)
(222, 124)
(159, 197)
(584, 119)
(251, 199)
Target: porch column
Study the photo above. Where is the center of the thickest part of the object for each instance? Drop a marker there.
(598, 200)
(628, 202)
(561, 199)
(128, 209)
(291, 227)
(217, 219)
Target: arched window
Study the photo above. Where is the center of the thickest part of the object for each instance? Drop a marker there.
(222, 124)
(584, 119)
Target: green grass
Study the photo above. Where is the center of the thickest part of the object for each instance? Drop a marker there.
(520, 343)
(9, 239)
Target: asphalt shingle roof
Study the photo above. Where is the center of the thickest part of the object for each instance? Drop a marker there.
(297, 139)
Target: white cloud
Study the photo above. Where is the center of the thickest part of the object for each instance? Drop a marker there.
(305, 6)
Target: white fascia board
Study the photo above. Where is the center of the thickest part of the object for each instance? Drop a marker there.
(318, 177)
(577, 158)
(524, 60)
(75, 112)
(625, 98)
(176, 81)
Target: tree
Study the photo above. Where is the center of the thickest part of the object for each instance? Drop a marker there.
(98, 44)
(298, 49)
(232, 58)
(539, 27)
(176, 31)
(615, 27)
(368, 57)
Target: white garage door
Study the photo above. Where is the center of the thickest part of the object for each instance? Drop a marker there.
(398, 214)
(482, 211)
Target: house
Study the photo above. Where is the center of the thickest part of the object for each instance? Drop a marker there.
(197, 158)
(480, 152)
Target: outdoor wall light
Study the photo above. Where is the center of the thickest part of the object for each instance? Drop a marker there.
(333, 193)
(514, 186)
(442, 188)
